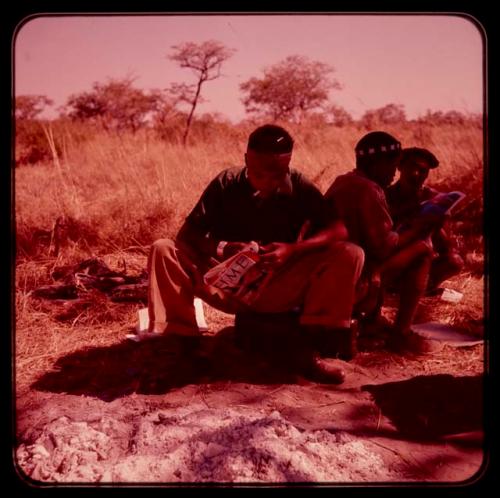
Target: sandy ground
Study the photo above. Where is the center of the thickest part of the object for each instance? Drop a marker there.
(140, 412)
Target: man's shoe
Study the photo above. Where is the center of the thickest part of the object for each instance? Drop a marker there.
(320, 370)
(306, 360)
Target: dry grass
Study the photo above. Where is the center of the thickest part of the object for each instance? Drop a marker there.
(41, 337)
(450, 360)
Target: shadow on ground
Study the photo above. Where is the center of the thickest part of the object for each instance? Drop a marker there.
(430, 406)
(157, 366)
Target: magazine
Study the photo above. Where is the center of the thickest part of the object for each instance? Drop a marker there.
(438, 206)
(240, 276)
(442, 203)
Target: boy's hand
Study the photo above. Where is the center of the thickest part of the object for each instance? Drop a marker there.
(428, 223)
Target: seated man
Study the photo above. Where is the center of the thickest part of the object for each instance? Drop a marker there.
(270, 204)
(404, 198)
(358, 199)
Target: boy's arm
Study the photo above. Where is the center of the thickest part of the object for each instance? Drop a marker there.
(422, 227)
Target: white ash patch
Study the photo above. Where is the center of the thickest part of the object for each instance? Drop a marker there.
(198, 444)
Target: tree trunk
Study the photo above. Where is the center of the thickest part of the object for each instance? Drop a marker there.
(190, 117)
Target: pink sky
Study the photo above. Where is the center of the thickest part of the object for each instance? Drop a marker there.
(420, 61)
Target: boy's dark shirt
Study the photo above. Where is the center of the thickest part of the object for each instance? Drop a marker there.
(229, 210)
(404, 206)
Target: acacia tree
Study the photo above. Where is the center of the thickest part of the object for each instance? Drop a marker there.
(289, 89)
(205, 60)
(116, 104)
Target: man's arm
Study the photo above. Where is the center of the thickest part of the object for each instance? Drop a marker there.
(321, 228)
(334, 232)
(207, 246)
(195, 232)
(197, 240)
(277, 253)
(375, 224)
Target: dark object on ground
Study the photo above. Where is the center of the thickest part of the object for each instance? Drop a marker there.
(432, 406)
(93, 274)
(57, 291)
(130, 292)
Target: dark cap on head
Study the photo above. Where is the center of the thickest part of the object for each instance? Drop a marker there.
(270, 139)
(418, 153)
(377, 144)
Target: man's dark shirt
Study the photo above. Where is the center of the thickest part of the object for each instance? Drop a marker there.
(230, 210)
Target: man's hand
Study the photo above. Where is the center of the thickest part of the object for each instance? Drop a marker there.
(275, 254)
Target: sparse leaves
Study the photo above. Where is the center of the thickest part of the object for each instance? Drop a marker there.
(205, 59)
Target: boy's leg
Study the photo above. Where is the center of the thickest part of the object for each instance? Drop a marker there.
(444, 267)
(409, 268)
(412, 287)
(411, 279)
